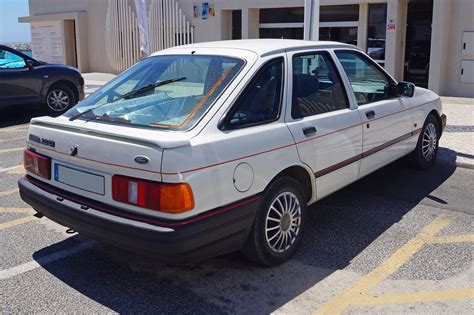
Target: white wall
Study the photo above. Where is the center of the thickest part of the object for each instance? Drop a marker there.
(462, 19)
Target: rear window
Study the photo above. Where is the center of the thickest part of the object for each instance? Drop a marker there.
(167, 92)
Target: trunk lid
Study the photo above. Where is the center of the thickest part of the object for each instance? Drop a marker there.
(85, 155)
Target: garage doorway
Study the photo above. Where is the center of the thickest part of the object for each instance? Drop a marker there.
(418, 42)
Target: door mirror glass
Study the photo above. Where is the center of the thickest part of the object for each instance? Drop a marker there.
(406, 89)
(30, 64)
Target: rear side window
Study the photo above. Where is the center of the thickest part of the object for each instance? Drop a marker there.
(317, 87)
(368, 82)
(260, 101)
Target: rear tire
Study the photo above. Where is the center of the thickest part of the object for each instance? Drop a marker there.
(59, 99)
(279, 223)
(426, 150)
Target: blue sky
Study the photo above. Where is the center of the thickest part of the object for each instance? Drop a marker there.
(10, 29)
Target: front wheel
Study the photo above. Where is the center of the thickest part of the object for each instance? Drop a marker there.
(59, 99)
(426, 150)
(279, 223)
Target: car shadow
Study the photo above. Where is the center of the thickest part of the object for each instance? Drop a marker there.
(14, 117)
(341, 226)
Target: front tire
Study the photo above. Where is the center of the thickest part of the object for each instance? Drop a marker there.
(426, 150)
(59, 99)
(279, 223)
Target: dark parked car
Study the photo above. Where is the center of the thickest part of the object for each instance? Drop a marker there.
(26, 81)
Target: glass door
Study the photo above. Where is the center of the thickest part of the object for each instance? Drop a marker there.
(418, 42)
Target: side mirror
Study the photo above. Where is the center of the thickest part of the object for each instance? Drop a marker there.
(406, 89)
(30, 64)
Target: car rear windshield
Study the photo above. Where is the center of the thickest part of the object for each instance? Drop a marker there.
(169, 92)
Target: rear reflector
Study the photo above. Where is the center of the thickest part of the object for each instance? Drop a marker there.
(171, 198)
(37, 164)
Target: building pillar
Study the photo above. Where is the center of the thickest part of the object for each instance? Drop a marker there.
(439, 44)
(395, 41)
(311, 20)
(362, 29)
(250, 23)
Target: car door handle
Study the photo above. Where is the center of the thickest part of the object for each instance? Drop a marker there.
(370, 114)
(309, 131)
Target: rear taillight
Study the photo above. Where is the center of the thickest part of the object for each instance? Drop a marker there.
(37, 164)
(171, 198)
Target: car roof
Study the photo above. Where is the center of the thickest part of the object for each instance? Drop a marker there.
(264, 47)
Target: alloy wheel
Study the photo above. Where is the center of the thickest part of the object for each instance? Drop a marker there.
(57, 100)
(429, 142)
(283, 221)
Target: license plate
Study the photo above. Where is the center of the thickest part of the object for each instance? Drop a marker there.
(79, 179)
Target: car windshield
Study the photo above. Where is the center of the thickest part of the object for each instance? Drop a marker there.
(170, 92)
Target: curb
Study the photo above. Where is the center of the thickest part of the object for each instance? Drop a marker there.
(458, 163)
(465, 165)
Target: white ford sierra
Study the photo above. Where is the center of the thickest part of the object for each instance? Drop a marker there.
(209, 148)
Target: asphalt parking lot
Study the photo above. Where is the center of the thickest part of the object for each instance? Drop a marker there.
(398, 241)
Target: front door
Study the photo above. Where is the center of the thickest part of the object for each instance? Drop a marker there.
(18, 83)
(386, 117)
(327, 131)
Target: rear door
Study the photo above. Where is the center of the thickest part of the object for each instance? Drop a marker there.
(386, 117)
(325, 126)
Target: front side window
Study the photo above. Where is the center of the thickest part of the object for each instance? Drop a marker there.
(317, 87)
(9, 60)
(167, 92)
(368, 82)
(260, 101)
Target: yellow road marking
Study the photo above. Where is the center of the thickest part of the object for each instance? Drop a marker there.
(12, 139)
(366, 283)
(8, 192)
(12, 223)
(415, 297)
(463, 238)
(5, 210)
(11, 150)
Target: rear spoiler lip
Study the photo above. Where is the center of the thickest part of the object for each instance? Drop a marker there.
(77, 126)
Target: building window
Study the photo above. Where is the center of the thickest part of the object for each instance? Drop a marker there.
(282, 15)
(237, 24)
(339, 13)
(339, 23)
(285, 23)
(377, 32)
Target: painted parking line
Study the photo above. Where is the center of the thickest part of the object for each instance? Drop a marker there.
(416, 297)
(13, 210)
(15, 128)
(31, 265)
(11, 150)
(8, 192)
(462, 238)
(16, 222)
(365, 284)
(13, 139)
(18, 169)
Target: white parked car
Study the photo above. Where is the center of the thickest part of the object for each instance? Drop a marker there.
(209, 148)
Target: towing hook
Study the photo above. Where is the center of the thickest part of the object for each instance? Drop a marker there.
(70, 231)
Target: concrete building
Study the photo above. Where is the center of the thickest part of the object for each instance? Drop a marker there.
(428, 42)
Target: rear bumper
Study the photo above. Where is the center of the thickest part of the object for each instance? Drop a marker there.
(216, 232)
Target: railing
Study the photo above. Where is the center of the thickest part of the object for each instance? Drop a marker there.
(167, 27)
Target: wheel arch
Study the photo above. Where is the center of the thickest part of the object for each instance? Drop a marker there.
(304, 176)
(67, 83)
(436, 115)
